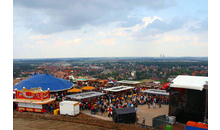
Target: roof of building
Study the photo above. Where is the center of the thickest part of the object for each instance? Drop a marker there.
(44, 81)
(189, 82)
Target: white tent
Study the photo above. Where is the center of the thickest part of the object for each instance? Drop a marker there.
(118, 89)
(156, 91)
(85, 95)
(189, 82)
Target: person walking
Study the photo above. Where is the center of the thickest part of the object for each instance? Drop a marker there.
(154, 105)
(136, 121)
(143, 122)
(135, 109)
(160, 103)
(148, 105)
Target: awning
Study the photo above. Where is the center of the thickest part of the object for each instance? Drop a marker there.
(35, 101)
(129, 82)
(85, 95)
(118, 89)
(156, 91)
(189, 82)
(74, 90)
(81, 79)
(88, 88)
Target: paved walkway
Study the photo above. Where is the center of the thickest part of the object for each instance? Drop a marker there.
(149, 114)
(98, 115)
(142, 111)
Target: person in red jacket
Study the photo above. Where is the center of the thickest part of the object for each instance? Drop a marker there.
(89, 106)
(110, 111)
(80, 106)
(92, 110)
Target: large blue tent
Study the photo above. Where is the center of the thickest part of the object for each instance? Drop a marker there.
(44, 81)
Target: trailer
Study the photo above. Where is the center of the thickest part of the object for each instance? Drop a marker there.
(69, 108)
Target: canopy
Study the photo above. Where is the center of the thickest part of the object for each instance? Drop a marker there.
(82, 79)
(111, 82)
(105, 80)
(35, 101)
(88, 88)
(189, 82)
(44, 81)
(156, 91)
(85, 95)
(75, 90)
(119, 88)
(129, 82)
(165, 85)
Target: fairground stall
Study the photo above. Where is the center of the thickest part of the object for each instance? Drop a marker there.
(85, 95)
(156, 92)
(32, 100)
(129, 83)
(119, 91)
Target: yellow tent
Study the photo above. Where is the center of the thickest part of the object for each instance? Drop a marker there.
(74, 90)
(88, 88)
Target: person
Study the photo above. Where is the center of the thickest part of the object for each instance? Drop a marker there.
(136, 121)
(47, 108)
(154, 105)
(102, 110)
(148, 105)
(125, 97)
(135, 109)
(80, 106)
(110, 110)
(129, 104)
(160, 103)
(89, 106)
(132, 105)
(143, 122)
(92, 110)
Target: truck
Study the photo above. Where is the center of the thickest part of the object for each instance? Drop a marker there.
(69, 108)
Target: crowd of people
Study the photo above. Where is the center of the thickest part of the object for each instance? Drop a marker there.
(106, 103)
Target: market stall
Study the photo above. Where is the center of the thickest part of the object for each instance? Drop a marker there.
(88, 88)
(156, 92)
(85, 95)
(32, 100)
(118, 89)
(74, 90)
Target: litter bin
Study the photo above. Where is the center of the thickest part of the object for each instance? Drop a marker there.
(56, 111)
(169, 127)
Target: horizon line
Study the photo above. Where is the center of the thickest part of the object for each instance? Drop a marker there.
(119, 57)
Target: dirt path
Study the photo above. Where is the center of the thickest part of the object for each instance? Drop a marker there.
(43, 124)
(35, 121)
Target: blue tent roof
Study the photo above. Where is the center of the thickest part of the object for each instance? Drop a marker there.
(44, 81)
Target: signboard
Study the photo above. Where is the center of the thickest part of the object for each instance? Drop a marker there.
(32, 95)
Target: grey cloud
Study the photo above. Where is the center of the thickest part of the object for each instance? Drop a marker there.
(130, 22)
(72, 15)
(203, 26)
(159, 27)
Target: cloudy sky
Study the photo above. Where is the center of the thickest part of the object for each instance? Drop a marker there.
(109, 28)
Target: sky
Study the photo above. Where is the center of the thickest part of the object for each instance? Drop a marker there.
(110, 28)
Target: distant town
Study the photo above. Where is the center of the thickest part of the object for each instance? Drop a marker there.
(122, 68)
